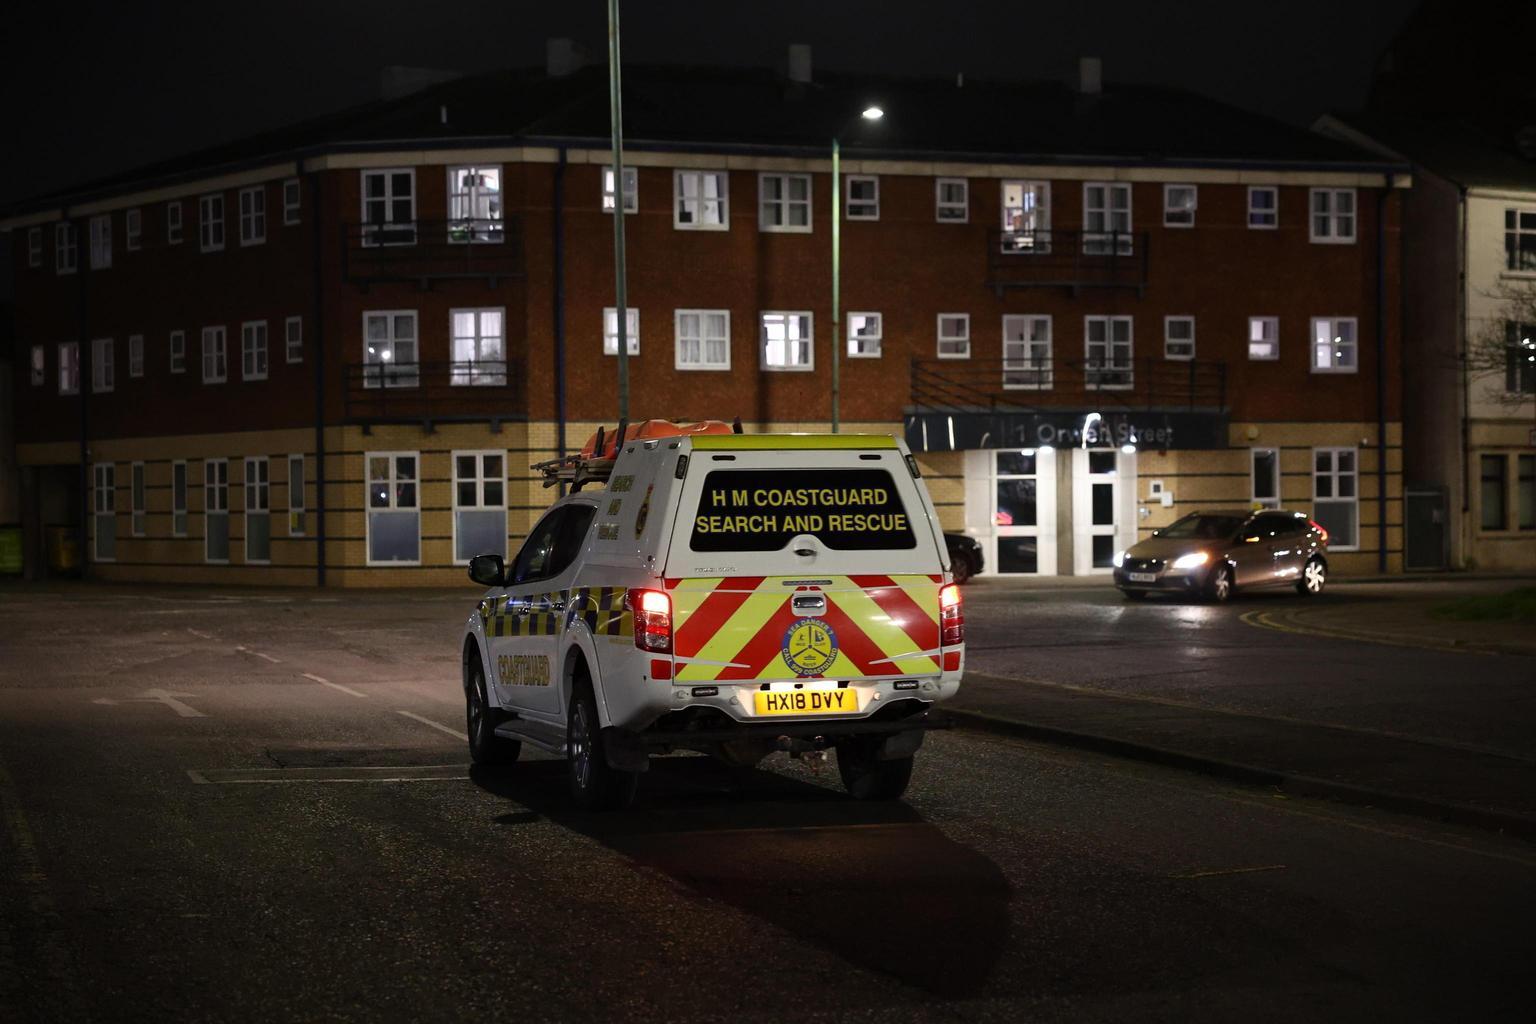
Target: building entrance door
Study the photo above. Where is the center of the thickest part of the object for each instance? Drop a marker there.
(1010, 502)
(1103, 508)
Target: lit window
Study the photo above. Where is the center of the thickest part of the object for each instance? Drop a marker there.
(215, 364)
(863, 197)
(954, 336)
(253, 350)
(389, 349)
(479, 347)
(135, 355)
(103, 365)
(1178, 337)
(133, 228)
(394, 509)
(293, 339)
(210, 222)
(1106, 218)
(1333, 215)
(1027, 352)
(611, 331)
(65, 248)
(1179, 202)
(703, 339)
(479, 505)
(952, 200)
(1263, 337)
(1335, 497)
(1109, 348)
(866, 331)
(292, 201)
(1263, 206)
(1026, 226)
(784, 202)
(1520, 239)
(253, 215)
(474, 204)
(69, 368)
(101, 242)
(787, 342)
(389, 207)
(700, 201)
(178, 347)
(631, 190)
(1333, 345)
(173, 223)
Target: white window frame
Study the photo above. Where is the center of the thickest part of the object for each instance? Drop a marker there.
(39, 366)
(703, 364)
(179, 517)
(388, 226)
(1110, 345)
(1169, 211)
(103, 505)
(680, 199)
(1097, 241)
(255, 352)
(66, 248)
(944, 210)
(784, 204)
(257, 499)
(1269, 322)
(857, 344)
(631, 188)
(215, 355)
(253, 215)
(135, 355)
(173, 224)
(1168, 341)
(136, 492)
(809, 341)
(210, 222)
(69, 367)
(293, 339)
(1253, 478)
(298, 510)
(1273, 213)
(215, 487)
(1333, 220)
(1334, 474)
(34, 247)
(1031, 363)
(103, 365)
(464, 227)
(382, 378)
(133, 229)
(481, 505)
(1025, 229)
(611, 330)
(393, 506)
(178, 352)
(476, 372)
(1515, 232)
(1335, 363)
(101, 242)
(293, 201)
(871, 205)
(939, 337)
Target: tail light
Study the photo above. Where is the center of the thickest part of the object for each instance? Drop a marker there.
(653, 619)
(951, 618)
(1313, 523)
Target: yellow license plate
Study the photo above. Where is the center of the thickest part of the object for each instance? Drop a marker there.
(806, 702)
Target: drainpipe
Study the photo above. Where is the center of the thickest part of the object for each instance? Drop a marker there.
(319, 349)
(84, 362)
(559, 302)
(1381, 372)
(1463, 527)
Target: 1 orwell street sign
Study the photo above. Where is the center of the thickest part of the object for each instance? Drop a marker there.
(944, 432)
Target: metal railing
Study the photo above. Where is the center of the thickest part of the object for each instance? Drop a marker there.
(1018, 384)
(423, 251)
(1067, 259)
(432, 392)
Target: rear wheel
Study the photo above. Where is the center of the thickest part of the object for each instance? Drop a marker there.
(1313, 578)
(1220, 587)
(485, 747)
(865, 775)
(595, 785)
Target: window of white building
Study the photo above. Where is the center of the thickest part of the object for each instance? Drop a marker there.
(1333, 215)
(210, 222)
(1109, 348)
(1106, 218)
(866, 331)
(298, 516)
(39, 366)
(787, 341)
(1178, 337)
(479, 347)
(1334, 348)
(34, 247)
(700, 200)
(1335, 498)
(1264, 337)
(394, 509)
(215, 357)
(1179, 203)
(474, 204)
(101, 242)
(65, 248)
(178, 351)
(862, 197)
(1520, 239)
(103, 365)
(253, 215)
(389, 349)
(179, 498)
(293, 339)
(173, 223)
(133, 228)
(703, 339)
(1263, 206)
(389, 207)
(258, 510)
(631, 189)
(135, 355)
(253, 350)
(216, 511)
(136, 498)
(952, 200)
(784, 202)
(69, 368)
(479, 505)
(1027, 352)
(1265, 465)
(293, 199)
(611, 331)
(954, 335)
(104, 504)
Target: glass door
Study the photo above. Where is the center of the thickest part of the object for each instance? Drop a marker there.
(1102, 512)
(1023, 512)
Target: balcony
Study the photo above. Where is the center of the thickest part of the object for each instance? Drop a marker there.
(432, 393)
(1066, 259)
(424, 252)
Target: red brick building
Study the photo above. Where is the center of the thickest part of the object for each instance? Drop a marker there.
(1089, 310)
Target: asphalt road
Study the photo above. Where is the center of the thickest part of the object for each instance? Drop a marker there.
(245, 807)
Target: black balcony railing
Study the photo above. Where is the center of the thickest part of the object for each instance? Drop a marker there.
(426, 251)
(1066, 259)
(993, 385)
(430, 393)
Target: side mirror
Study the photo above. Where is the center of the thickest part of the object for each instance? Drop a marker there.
(1251, 538)
(487, 570)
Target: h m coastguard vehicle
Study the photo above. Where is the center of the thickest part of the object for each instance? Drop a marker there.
(734, 594)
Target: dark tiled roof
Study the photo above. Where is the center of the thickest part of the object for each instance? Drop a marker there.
(724, 108)
(1470, 155)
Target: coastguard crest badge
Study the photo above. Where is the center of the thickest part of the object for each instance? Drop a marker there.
(810, 647)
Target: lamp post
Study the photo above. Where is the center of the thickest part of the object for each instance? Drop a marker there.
(870, 113)
(616, 125)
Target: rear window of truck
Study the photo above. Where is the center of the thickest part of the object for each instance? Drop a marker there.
(763, 510)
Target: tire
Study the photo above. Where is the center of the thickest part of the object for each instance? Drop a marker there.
(865, 776)
(485, 747)
(1314, 577)
(594, 784)
(1221, 587)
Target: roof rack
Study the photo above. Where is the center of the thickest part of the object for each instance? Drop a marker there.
(594, 463)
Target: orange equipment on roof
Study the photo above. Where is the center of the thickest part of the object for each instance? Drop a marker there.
(648, 430)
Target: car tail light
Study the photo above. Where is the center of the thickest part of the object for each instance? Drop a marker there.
(653, 619)
(1319, 529)
(951, 618)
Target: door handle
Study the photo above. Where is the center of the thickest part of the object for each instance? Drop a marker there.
(809, 602)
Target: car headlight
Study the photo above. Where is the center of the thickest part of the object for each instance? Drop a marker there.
(1119, 559)
(1193, 560)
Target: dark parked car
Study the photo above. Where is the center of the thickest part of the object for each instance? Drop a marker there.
(1212, 554)
(965, 557)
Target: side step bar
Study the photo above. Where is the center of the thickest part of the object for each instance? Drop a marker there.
(548, 738)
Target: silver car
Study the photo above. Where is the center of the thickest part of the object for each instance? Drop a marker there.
(1213, 554)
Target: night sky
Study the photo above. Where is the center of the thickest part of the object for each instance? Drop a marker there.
(93, 88)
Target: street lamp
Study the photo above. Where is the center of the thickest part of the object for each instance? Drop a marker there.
(869, 113)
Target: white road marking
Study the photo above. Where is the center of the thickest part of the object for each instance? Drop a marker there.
(198, 632)
(275, 661)
(344, 774)
(440, 727)
(334, 686)
(166, 697)
(1231, 871)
